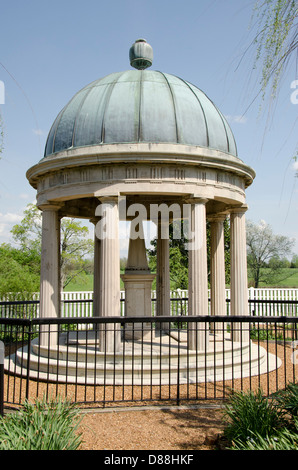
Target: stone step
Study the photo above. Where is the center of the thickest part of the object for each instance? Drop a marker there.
(162, 349)
(142, 369)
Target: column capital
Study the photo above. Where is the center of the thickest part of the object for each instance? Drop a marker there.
(109, 198)
(220, 217)
(196, 200)
(239, 210)
(51, 206)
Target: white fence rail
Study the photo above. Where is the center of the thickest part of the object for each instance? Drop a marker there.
(262, 302)
(267, 302)
(80, 303)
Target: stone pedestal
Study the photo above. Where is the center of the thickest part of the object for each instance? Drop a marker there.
(137, 283)
(138, 303)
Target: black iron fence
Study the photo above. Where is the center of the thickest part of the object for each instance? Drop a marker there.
(19, 309)
(73, 308)
(174, 359)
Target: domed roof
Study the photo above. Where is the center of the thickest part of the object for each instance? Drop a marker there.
(140, 106)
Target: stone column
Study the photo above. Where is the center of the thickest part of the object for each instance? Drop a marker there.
(96, 273)
(107, 230)
(198, 334)
(162, 275)
(217, 268)
(239, 294)
(50, 272)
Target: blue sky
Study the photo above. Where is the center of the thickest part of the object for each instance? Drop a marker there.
(49, 50)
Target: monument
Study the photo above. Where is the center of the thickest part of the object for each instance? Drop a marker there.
(146, 145)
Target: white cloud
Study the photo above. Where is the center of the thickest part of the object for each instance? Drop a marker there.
(5, 235)
(24, 196)
(38, 132)
(237, 118)
(7, 221)
(10, 218)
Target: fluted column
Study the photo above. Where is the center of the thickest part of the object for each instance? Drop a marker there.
(217, 268)
(50, 272)
(198, 335)
(162, 274)
(239, 294)
(96, 270)
(107, 231)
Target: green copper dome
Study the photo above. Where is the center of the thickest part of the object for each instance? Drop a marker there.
(140, 106)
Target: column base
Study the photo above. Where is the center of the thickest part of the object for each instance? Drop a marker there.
(139, 331)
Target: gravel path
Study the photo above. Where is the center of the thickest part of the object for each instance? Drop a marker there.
(152, 429)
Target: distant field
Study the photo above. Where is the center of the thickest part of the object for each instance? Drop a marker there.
(80, 286)
(290, 280)
(87, 285)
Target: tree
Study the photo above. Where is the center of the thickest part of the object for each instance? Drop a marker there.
(264, 249)
(123, 262)
(29, 258)
(18, 278)
(276, 41)
(294, 261)
(178, 268)
(27, 234)
(75, 244)
(179, 255)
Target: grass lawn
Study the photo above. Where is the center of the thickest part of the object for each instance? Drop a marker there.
(290, 279)
(80, 285)
(86, 284)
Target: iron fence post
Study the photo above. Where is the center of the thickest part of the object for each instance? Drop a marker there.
(28, 360)
(1, 378)
(178, 369)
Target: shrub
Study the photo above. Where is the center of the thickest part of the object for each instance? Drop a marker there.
(288, 399)
(41, 426)
(249, 414)
(257, 423)
(285, 439)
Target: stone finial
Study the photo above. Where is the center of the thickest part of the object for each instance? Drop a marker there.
(141, 54)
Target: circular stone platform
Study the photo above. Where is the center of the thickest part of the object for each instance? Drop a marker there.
(155, 361)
